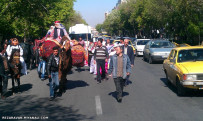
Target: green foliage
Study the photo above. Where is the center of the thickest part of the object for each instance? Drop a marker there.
(176, 18)
(99, 28)
(77, 19)
(32, 18)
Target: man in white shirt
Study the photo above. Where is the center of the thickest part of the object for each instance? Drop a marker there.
(9, 50)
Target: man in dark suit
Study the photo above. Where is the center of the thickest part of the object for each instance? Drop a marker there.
(128, 50)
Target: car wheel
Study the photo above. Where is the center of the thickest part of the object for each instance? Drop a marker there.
(180, 89)
(150, 60)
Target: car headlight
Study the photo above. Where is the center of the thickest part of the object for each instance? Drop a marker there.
(189, 77)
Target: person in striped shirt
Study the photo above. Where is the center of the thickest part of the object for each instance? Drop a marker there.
(100, 57)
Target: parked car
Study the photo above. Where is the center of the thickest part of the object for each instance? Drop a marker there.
(184, 68)
(157, 50)
(139, 46)
(129, 44)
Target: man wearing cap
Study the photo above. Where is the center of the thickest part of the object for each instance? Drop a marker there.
(59, 31)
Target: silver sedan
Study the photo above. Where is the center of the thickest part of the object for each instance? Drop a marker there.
(157, 50)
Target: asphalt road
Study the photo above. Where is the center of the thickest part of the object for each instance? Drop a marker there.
(147, 98)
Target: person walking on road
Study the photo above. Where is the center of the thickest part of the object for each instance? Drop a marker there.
(100, 57)
(128, 50)
(13, 47)
(52, 68)
(119, 68)
(93, 65)
(108, 42)
(40, 62)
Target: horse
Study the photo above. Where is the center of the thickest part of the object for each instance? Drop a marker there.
(15, 67)
(65, 64)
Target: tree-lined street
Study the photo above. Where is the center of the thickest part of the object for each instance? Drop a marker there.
(54, 35)
(147, 98)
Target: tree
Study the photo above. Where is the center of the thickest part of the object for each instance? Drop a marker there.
(99, 27)
(77, 19)
(174, 18)
(32, 18)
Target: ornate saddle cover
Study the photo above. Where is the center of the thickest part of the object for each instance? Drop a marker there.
(77, 53)
(47, 48)
(37, 42)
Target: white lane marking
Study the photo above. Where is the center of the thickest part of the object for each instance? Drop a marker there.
(98, 105)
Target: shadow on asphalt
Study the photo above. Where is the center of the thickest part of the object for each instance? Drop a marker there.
(80, 69)
(71, 84)
(23, 88)
(189, 93)
(114, 94)
(29, 106)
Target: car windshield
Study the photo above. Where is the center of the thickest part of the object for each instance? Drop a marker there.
(160, 44)
(190, 55)
(142, 42)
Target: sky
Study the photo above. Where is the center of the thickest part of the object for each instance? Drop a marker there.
(93, 10)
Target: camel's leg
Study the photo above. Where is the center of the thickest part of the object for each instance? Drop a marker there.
(18, 82)
(13, 85)
(62, 84)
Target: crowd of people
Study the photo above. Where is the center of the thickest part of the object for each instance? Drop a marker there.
(100, 60)
(119, 64)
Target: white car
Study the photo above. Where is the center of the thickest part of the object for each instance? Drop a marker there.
(139, 46)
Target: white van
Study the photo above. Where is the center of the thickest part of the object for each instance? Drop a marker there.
(139, 46)
(81, 30)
